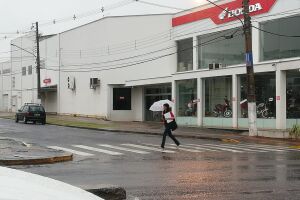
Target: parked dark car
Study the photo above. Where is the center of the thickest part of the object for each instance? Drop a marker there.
(31, 112)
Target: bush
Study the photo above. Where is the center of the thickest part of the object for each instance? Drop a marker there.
(295, 131)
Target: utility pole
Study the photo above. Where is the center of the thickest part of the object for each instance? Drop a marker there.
(38, 63)
(250, 71)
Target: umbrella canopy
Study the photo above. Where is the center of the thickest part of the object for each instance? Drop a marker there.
(158, 105)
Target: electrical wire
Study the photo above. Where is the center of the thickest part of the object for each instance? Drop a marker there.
(277, 34)
(281, 35)
(148, 53)
(159, 5)
(226, 11)
(145, 60)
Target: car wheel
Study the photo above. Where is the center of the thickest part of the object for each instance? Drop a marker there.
(25, 120)
(17, 119)
(43, 122)
(34, 122)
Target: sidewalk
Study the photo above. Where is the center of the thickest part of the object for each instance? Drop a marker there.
(19, 153)
(154, 128)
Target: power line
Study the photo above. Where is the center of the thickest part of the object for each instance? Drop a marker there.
(277, 34)
(146, 60)
(226, 11)
(149, 53)
(88, 14)
(159, 5)
(281, 35)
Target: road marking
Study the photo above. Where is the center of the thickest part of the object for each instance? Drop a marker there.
(274, 147)
(113, 153)
(71, 151)
(180, 148)
(123, 149)
(217, 147)
(243, 148)
(148, 148)
(199, 148)
(263, 148)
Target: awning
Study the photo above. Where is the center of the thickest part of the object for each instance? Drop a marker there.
(52, 88)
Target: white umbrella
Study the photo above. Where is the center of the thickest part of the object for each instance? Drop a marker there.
(159, 105)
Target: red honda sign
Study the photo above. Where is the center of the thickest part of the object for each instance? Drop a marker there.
(230, 10)
(47, 81)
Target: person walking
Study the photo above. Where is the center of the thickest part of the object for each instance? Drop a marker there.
(168, 130)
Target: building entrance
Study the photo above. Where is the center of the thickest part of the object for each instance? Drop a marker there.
(155, 93)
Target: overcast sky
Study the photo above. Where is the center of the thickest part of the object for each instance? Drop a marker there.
(18, 15)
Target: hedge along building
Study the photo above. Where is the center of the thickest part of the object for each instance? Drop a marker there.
(213, 68)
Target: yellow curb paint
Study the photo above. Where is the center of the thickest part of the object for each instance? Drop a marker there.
(294, 147)
(230, 141)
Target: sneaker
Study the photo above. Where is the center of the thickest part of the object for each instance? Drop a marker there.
(162, 149)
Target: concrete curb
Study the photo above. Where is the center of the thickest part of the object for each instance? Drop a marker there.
(109, 192)
(38, 161)
(222, 139)
(142, 133)
(252, 139)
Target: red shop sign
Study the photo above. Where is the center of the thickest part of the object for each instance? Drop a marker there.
(219, 16)
(47, 81)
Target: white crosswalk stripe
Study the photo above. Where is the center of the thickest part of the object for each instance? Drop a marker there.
(123, 149)
(243, 148)
(199, 148)
(113, 153)
(271, 147)
(148, 148)
(213, 146)
(80, 153)
(264, 148)
(172, 147)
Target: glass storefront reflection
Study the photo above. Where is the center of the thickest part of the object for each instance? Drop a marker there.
(186, 99)
(218, 92)
(265, 87)
(293, 94)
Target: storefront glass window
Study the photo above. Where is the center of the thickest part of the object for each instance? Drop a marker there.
(221, 51)
(185, 55)
(155, 93)
(293, 94)
(265, 89)
(275, 47)
(218, 93)
(186, 98)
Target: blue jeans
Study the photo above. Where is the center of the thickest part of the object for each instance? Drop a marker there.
(169, 133)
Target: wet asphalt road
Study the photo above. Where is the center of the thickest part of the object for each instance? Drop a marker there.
(254, 173)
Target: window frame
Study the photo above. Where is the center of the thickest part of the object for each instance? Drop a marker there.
(262, 42)
(24, 71)
(29, 69)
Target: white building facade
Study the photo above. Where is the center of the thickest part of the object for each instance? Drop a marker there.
(116, 67)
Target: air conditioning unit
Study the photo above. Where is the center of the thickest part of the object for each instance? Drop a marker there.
(71, 82)
(94, 83)
(212, 66)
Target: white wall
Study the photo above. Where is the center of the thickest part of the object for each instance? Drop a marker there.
(107, 40)
(5, 86)
(25, 90)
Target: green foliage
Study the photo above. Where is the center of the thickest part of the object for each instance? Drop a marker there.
(295, 131)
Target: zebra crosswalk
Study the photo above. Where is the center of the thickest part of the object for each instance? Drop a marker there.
(148, 148)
